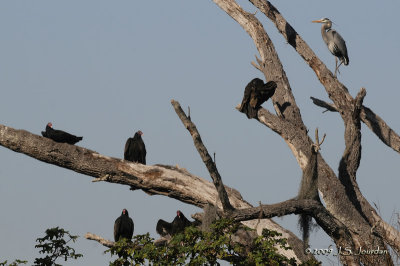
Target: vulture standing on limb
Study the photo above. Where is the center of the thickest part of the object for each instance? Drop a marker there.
(123, 226)
(59, 135)
(255, 94)
(135, 150)
(178, 225)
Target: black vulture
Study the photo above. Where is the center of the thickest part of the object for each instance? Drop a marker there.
(178, 225)
(123, 226)
(255, 94)
(59, 135)
(135, 150)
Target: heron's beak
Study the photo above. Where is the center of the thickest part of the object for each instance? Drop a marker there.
(316, 21)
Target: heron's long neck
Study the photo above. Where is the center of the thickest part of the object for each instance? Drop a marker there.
(324, 28)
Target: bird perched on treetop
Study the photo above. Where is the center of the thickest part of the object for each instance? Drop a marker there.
(255, 94)
(135, 150)
(123, 226)
(335, 42)
(59, 135)
(178, 225)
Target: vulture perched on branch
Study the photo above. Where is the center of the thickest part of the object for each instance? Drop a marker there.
(178, 225)
(135, 150)
(255, 94)
(123, 226)
(59, 135)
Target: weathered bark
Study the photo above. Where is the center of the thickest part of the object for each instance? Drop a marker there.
(392, 236)
(101, 240)
(338, 198)
(165, 180)
(352, 154)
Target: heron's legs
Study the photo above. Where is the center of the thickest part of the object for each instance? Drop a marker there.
(337, 66)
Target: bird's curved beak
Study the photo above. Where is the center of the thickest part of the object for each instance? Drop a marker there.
(316, 21)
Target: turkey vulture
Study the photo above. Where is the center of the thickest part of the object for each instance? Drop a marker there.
(123, 226)
(59, 135)
(178, 225)
(135, 150)
(255, 94)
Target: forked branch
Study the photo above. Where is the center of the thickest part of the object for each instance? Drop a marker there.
(374, 122)
(352, 154)
(317, 144)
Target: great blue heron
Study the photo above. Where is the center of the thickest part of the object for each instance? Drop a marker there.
(334, 41)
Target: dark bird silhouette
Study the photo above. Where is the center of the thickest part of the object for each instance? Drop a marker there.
(135, 150)
(123, 226)
(335, 42)
(59, 135)
(255, 94)
(178, 225)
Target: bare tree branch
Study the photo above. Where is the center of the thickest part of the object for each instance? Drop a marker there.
(109, 244)
(103, 241)
(386, 134)
(323, 104)
(269, 61)
(205, 156)
(164, 180)
(293, 206)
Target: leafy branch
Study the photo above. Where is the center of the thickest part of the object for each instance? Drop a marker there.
(196, 247)
(55, 245)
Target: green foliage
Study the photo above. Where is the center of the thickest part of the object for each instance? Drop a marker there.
(55, 245)
(14, 263)
(195, 247)
(264, 250)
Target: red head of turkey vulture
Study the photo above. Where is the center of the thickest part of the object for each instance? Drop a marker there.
(255, 94)
(123, 226)
(59, 135)
(135, 150)
(178, 225)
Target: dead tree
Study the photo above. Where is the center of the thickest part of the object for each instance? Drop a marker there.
(347, 217)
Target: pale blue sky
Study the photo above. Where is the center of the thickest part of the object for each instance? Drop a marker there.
(105, 69)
